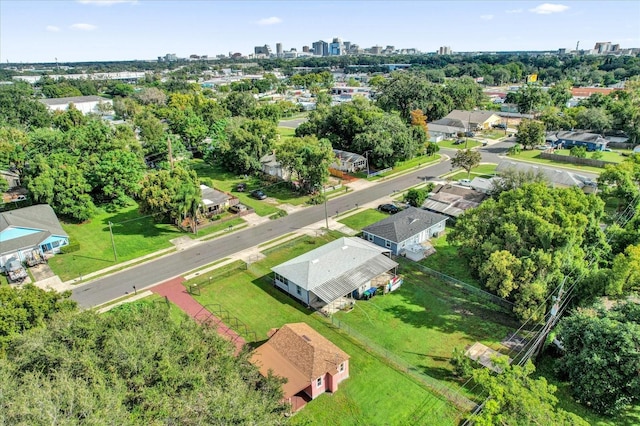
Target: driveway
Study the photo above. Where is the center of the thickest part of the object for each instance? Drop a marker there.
(293, 123)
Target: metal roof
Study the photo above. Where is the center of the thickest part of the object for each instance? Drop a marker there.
(213, 196)
(334, 263)
(73, 100)
(553, 176)
(405, 224)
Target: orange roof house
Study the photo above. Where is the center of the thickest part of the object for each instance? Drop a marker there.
(311, 364)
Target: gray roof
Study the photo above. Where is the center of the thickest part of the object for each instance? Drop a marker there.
(444, 128)
(453, 200)
(450, 123)
(582, 137)
(349, 157)
(270, 160)
(553, 176)
(40, 217)
(482, 184)
(404, 224)
(73, 100)
(345, 263)
(212, 196)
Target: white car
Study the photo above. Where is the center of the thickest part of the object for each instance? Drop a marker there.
(465, 182)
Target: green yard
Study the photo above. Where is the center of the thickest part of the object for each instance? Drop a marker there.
(286, 132)
(534, 156)
(402, 166)
(446, 260)
(483, 170)
(133, 235)
(363, 219)
(374, 393)
(451, 145)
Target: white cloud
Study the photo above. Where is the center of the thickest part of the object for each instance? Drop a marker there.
(514, 11)
(486, 17)
(270, 21)
(549, 8)
(83, 27)
(52, 28)
(106, 2)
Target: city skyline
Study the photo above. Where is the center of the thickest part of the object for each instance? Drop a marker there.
(110, 30)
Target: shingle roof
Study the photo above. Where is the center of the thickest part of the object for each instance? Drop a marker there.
(404, 224)
(299, 353)
(213, 196)
(581, 136)
(477, 117)
(73, 100)
(333, 262)
(348, 156)
(40, 217)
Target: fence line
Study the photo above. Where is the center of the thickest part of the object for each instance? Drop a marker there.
(379, 172)
(466, 288)
(233, 323)
(436, 386)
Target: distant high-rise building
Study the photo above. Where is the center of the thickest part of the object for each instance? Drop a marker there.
(321, 48)
(279, 50)
(336, 48)
(262, 50)
(376, 50)
(444, 50)
(305, 49)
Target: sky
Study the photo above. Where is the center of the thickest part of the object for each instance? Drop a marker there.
(111, 30)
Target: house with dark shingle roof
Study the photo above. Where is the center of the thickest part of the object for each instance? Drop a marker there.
(326, 277)
(591, 141)
(311, 363)
(405, 229)
(30, 231)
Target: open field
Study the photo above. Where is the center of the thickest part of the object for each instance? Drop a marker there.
(446, 260)
(134, 236)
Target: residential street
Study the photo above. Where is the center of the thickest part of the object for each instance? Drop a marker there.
(159, 270)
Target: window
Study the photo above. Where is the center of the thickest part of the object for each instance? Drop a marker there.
(319, 382)
(369, 237)
(387, 244)
(341, 367)
(56, 243)
(298, 289)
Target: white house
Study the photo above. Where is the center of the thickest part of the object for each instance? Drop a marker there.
(84, 104)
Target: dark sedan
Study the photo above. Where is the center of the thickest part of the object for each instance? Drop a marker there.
(258, 194)
(388, 208)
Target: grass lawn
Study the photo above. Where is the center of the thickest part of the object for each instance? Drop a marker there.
(375, 393)
(544, 368)
(612, 156)
(217, 226)
(226, 181)
(534, 156)
(402, 166)
(483, 170)
(363, 219)
(134, 236)
(450, 144)
(446, 260)
(286, 132)
(493, 134)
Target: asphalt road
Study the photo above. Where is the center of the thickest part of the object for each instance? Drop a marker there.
(156, 271)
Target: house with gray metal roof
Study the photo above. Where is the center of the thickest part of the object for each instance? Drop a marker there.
(30, 232)
(84, 104)
(341, 269)
(555, 177)
(214, 201)
(405, 229)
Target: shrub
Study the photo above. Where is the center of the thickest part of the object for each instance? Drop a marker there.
(70, 248)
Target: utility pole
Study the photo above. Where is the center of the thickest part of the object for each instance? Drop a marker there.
(326, 215)
(553, 318)
(113, 244)
(170, 153)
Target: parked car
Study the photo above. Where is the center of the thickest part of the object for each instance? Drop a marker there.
(258, 194)
(469, 134)
(237, 208)
(241, 187)
(388, 208)
(459, 141)
(465, 182)
(500, 126)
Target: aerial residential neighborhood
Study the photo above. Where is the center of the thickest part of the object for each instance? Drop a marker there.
(379, 227)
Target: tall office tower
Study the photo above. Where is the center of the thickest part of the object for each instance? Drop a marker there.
(279, 50)
(321, 48)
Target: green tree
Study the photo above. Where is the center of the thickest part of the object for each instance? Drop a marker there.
(513, 178)
(560, 93)
(530, 133)
(625, 272)
(550, 231)
(116, 177)
(28, 307)
(578, 152)
(417, 196)
(620, 183)
(308, 159)
(601, 357)
(466, 159)
(56, 180)
(595, 119)
(133, 366)
(244, 143)
(240, 104)
(515, 398)
(389, 141)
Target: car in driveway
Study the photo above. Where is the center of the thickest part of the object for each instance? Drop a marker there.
(237, 208)
(465, 182)
(459, 141)
(241, 187)
(500, 126)
(258, 194)
(389, 208)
